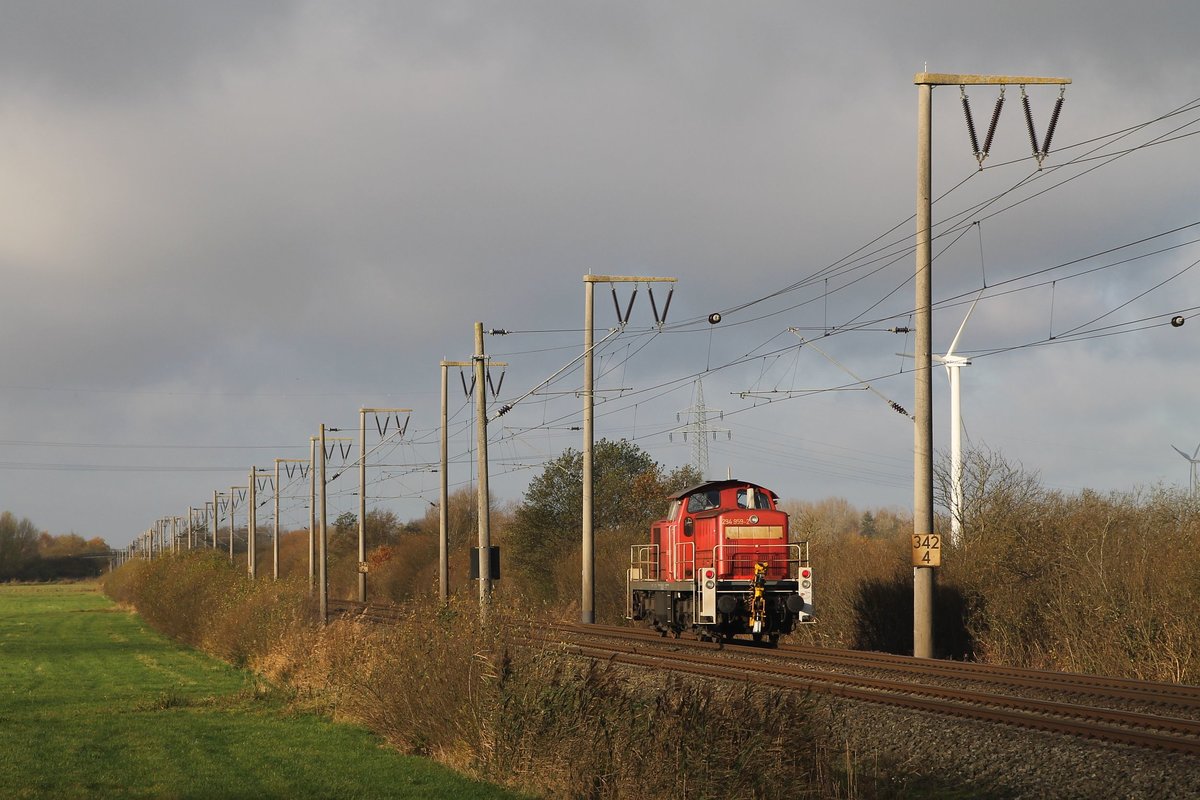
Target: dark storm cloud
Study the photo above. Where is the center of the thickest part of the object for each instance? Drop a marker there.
(230, 222)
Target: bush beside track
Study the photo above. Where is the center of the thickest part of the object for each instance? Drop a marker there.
(439, 684)
(1093, 583)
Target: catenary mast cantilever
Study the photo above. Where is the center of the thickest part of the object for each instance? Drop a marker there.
(923, 400)
(588, 604)
(362, 488)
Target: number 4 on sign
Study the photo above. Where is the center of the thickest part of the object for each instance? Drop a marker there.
(927, 550)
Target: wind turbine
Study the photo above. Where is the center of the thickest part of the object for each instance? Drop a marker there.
(1193, 460)
(953, 364)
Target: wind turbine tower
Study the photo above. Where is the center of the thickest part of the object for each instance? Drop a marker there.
(1193, 459)
(953, 364)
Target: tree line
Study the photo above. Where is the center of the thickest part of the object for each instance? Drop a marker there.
(30, 554)
(1088, 581)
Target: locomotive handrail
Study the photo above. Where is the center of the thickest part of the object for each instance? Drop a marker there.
(684, 556)
(644, 558)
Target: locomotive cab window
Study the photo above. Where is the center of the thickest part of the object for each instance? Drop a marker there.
(752, 498)
(703, 501)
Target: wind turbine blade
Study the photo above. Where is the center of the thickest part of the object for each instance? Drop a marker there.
(1185, 455)
(954, 341)
(1197, 453)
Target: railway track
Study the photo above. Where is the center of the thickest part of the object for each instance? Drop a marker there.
(1140, 713)
(1181, 698)
(367, 611)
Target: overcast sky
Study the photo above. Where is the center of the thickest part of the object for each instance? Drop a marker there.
(223, 224)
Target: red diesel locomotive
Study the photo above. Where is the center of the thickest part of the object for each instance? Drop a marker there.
(721, 564)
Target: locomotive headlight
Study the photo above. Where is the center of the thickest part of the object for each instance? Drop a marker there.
(805, 584)
(710, 585)
(754, 519)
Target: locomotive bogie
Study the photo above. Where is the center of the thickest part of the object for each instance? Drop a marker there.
(672, 611)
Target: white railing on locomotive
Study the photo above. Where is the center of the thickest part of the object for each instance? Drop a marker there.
(737, 561)
(643, 562)
(803, 553)
(683, 561)
(643, 566)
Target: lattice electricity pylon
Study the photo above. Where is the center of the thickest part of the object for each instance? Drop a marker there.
(699, 429)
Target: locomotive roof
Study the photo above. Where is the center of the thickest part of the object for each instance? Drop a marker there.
(718, 485)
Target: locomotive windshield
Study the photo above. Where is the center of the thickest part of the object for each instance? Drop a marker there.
(752, 498)
(702, 501)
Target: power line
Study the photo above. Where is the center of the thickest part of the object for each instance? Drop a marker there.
(116, 446)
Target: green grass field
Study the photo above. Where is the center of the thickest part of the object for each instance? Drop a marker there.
(93, 704)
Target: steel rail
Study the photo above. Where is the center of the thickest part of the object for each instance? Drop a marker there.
(1082, 721)
(1125, 688)
(1109, 688)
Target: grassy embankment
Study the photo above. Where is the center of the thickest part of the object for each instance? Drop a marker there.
(475, 695)
(93, 704)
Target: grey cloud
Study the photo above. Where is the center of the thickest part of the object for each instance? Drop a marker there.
(232, 223)
(99, 52)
